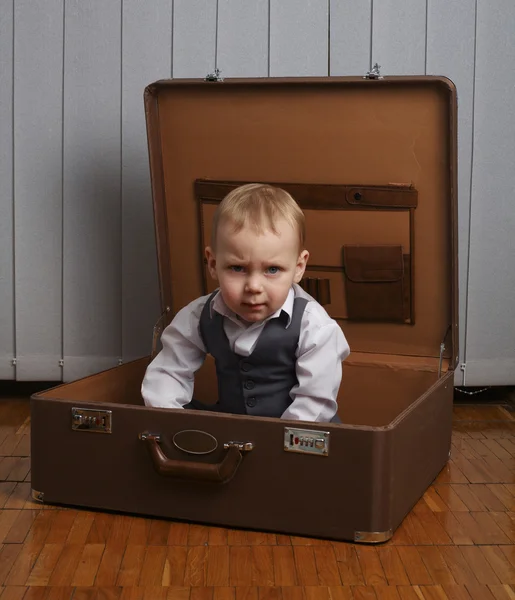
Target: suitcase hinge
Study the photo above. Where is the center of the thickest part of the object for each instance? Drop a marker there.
(442, 350)
(214, 76)
(374, 73)
(156, 332)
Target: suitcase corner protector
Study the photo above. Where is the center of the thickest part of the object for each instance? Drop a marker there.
(38, 496)
(372, 537)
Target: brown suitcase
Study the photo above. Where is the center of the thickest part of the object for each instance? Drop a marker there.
(372, 162)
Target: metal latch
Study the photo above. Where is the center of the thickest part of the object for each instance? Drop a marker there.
(306, 441)
(214, 76)
(374, 73)
(88, 419)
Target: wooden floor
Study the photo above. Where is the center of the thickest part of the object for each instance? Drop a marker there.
(457, 543)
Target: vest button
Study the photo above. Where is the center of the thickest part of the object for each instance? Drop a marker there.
(245, 366)
(251, 402)
(249, 384)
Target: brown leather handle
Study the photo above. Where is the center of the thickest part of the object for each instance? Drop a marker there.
(221, 472)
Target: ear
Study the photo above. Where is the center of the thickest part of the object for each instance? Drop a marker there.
(211, 262)
(301, 265)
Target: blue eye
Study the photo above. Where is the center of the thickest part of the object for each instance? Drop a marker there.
(236, 268)
(273, 270)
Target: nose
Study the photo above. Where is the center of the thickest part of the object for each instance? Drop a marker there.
(253, 284)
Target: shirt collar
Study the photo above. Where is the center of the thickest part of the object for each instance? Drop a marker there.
(218, 304)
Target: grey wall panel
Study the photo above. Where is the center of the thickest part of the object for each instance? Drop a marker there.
(92, 158)
(399, 36)
(242, 48)
(7, 370)
(194, 37)
(146, 57)
(299, 38)
(490, 352)
(38, 91)
(350, 36)
(450, 51)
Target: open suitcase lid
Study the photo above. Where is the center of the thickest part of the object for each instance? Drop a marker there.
(373, 164)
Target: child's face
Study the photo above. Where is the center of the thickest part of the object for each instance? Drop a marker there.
(255, 271)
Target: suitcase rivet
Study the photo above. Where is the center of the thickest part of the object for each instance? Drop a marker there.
(357, 196)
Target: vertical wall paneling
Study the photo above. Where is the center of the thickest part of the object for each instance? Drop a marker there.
(194, 37)
(92, 160)
(146, 57)
(7, 370)
(242, 38)
(490, 352)
(38, 90)
(350, 37)
(399, 36)
(450, 51)
(299, 34)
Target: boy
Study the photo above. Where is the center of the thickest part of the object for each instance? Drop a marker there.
(277, 351)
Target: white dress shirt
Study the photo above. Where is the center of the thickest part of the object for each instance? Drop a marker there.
(168, 382)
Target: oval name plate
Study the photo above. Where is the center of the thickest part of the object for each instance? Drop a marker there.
(193, 441)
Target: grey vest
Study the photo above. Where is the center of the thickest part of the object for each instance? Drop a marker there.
(258, 384)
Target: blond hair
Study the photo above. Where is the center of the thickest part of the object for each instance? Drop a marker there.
(260, 206)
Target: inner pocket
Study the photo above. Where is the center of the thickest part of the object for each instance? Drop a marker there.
(377, 283)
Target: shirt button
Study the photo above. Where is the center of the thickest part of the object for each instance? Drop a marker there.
(245, 366)
(251, 402)
(249, 384)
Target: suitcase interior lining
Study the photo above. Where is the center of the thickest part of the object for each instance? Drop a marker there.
(375, 390)
(251, 132)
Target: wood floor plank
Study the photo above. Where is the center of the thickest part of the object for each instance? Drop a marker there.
(13, 592)
(100, 528)
(178, 535)
(305, 564)
(196, 566)
(175, 566)
(153, 565)
(263, 559)
(6, 489)
(140, 529)
(217, 566)
(19, 496)
(198, 535)
(23, 565)
(66, 565)
(327, 567)
(480, 566)
(458, 565)
(503, 494)
(241, 571)
(415, 568)
(386, 592)
(503, 568)
(7, 520)
(8, 555)
(348, 565)
(45, 565)
(371, 566)
(456, 592)
(110, 564)
(456, 530)
(61, 525)
(132, 563)
(87, 568)
(392, 566)
(21, 527)
(436, 565)
(284, 566)
(364, 592)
